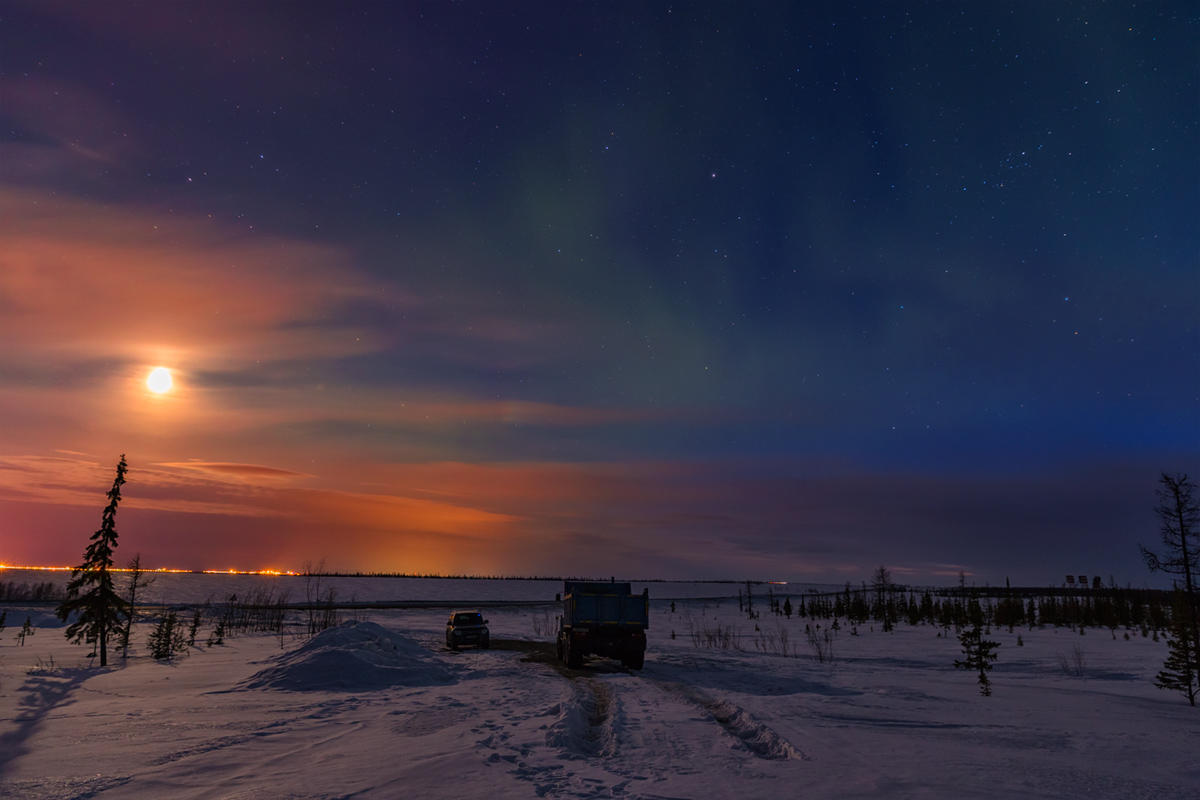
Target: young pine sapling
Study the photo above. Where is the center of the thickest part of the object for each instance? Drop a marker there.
(978, 655)
(26, 630)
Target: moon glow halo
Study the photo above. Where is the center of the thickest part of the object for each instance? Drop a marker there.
(159, 380)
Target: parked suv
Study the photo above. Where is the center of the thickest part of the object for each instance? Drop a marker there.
(467, 627)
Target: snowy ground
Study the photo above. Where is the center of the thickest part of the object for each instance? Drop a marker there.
(381, 709)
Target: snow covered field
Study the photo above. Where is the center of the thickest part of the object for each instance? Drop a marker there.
(379, 708)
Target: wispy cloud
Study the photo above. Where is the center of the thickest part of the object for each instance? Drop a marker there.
(236, 470)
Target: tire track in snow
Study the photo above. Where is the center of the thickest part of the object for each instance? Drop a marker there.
(581, 729)
(756, 737)
(599, 751)
(599, 737)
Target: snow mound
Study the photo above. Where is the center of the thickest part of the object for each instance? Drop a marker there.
(587, 726)
(352, 657)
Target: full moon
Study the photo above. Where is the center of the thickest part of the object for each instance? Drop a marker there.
(159, 380)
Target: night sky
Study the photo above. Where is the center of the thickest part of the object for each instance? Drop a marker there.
(772, 291)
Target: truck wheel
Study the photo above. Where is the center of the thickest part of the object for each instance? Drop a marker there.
(634, 660)
(558, 647)
(574, 658)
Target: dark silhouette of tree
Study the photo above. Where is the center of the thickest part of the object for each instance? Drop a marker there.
(168, 638)
(91, 595)
(26, 630)
(194, 628)
(978, 655)
(1179, 515)
(881, 582)
(138, 580)
(1180, 672)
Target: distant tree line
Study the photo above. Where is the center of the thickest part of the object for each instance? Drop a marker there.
(38, 592)
(1147, 610)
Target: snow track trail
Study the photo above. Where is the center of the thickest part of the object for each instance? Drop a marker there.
(756, 737)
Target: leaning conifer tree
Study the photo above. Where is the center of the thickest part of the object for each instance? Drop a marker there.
(91, 595)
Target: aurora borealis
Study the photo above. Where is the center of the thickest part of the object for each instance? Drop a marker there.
(698, 290)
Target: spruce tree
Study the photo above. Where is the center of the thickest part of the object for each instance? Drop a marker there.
(979, 653)
(91, 596)
(1180, 672)
(162, 640)
(1179, 515)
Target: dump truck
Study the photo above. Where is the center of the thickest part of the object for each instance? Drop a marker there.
(604, 619)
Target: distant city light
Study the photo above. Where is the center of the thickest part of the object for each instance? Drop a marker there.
(167, 569)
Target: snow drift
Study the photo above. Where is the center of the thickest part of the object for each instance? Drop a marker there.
(352, 657)
(587, 725)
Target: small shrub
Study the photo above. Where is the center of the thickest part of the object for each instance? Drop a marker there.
(717, 637)
(218, 634)
(1073, 664)
(168, 638)
(47, 667)
(821, 644)
(543, 624)
(194, 628)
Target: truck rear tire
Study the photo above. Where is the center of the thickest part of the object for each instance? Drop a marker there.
(571, 655)
(634, 661)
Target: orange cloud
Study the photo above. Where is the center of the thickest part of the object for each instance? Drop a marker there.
(61, 481)
(77, 280)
